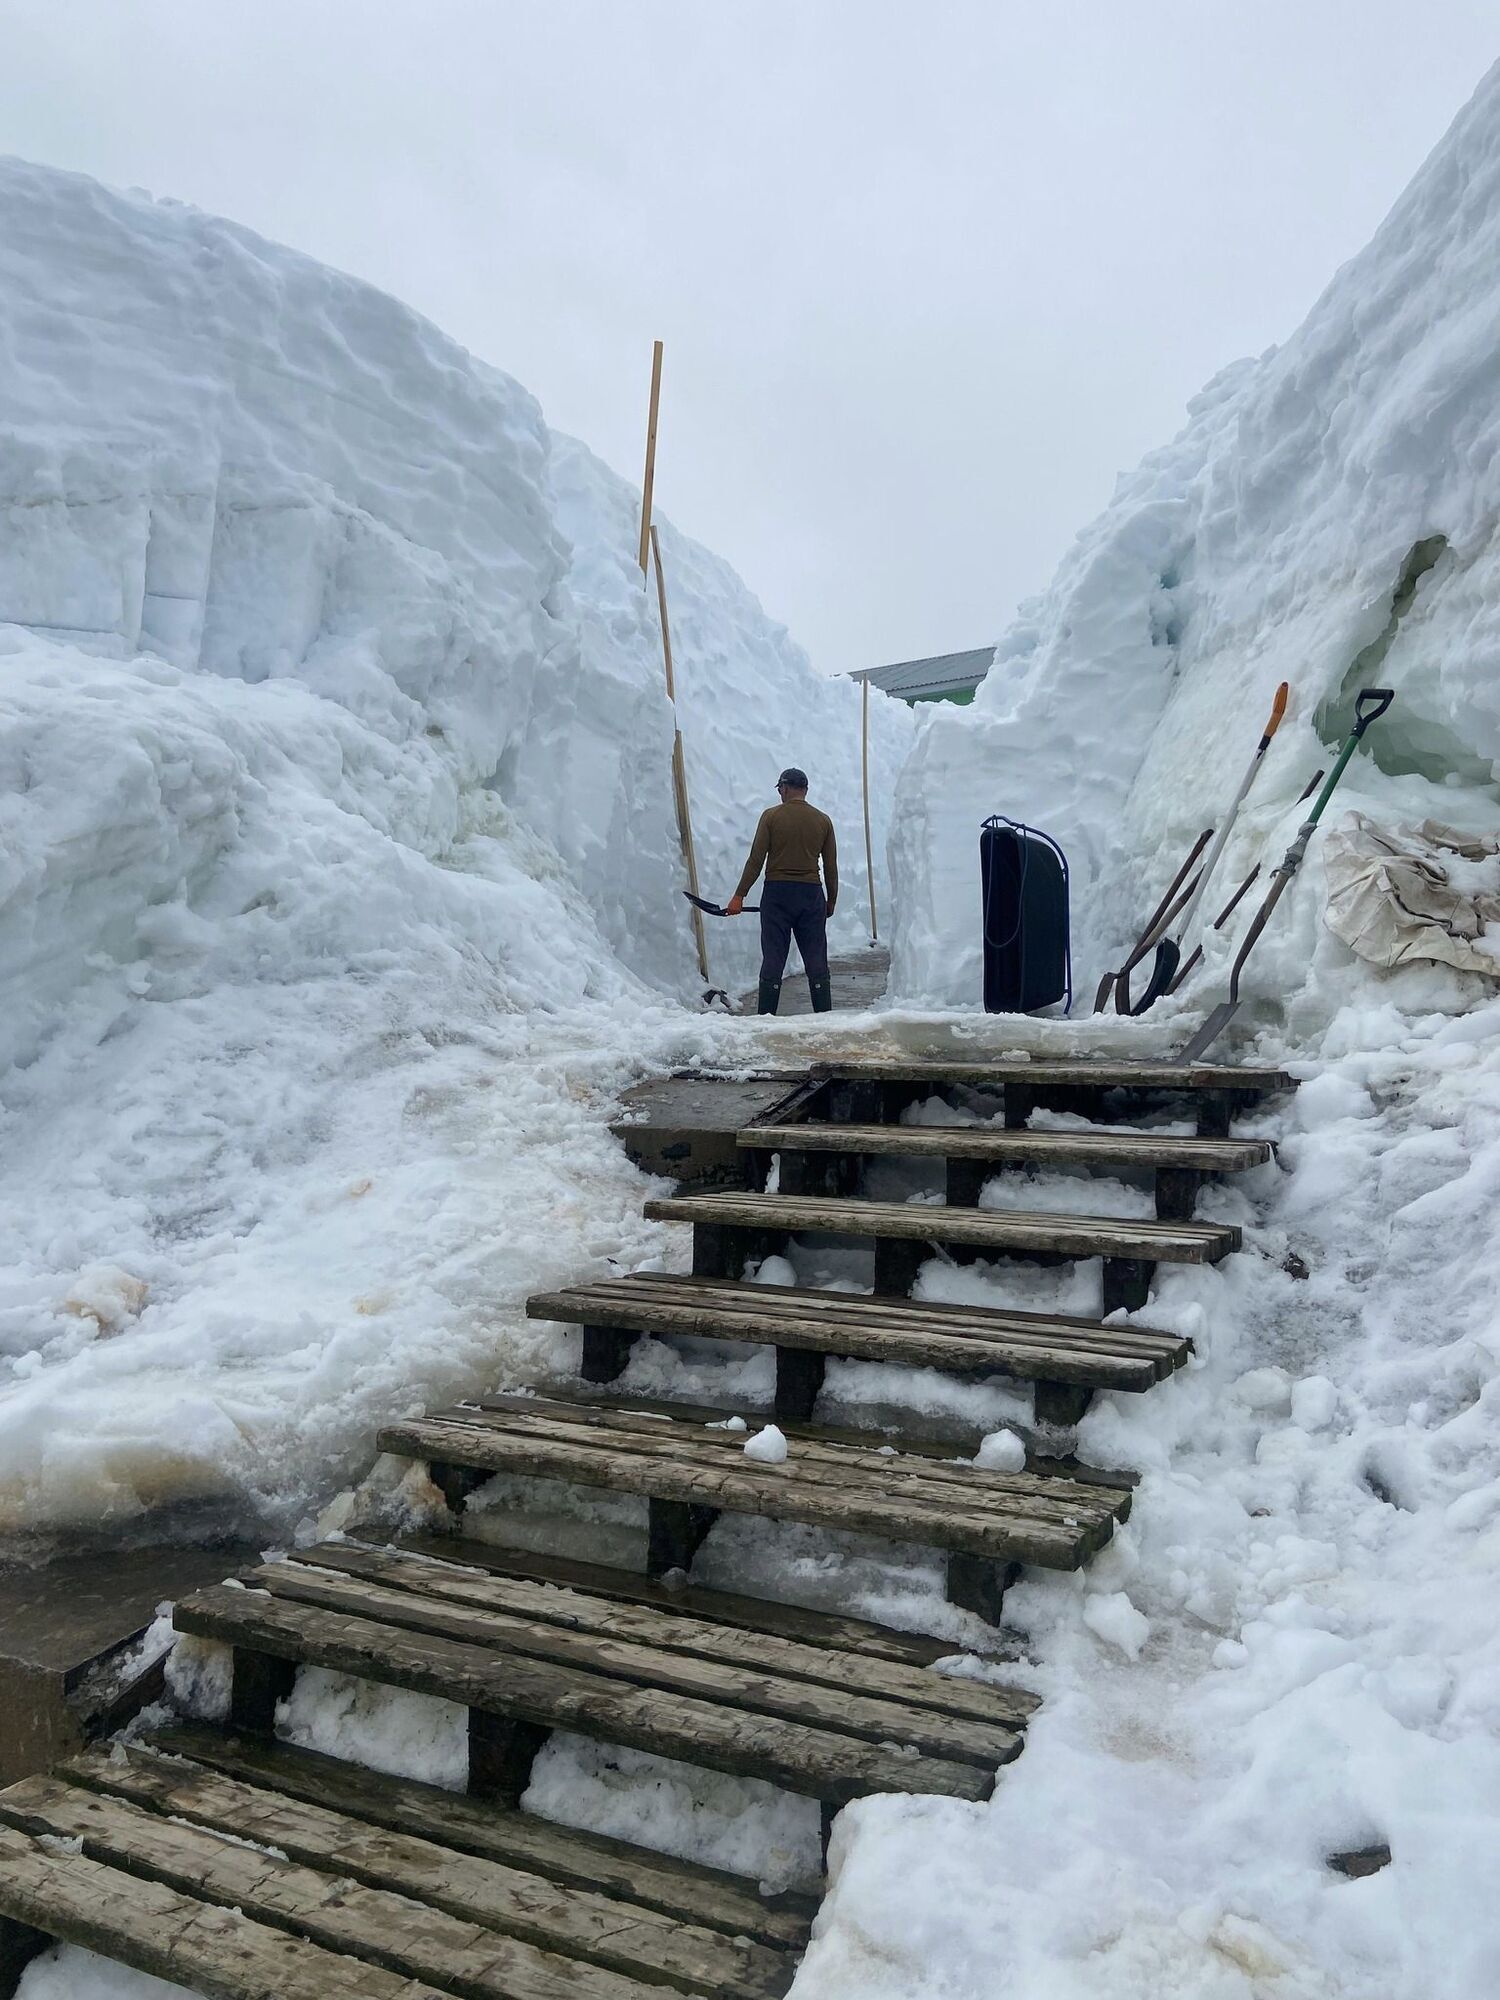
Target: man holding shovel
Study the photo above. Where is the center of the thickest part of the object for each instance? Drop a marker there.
(790, 842)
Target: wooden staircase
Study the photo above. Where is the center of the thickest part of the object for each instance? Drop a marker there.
(223, 1858)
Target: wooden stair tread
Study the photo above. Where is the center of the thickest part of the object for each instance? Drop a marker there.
(543, 1606)
(832, 1630)
(1053, 1072)
(473, 1657)
(178, 1937)
(886, 1438)
(992, 1142)
(395, 1901)
(908, 1497)
(1000, 1230)
(567, 1855)
(1029, 1346)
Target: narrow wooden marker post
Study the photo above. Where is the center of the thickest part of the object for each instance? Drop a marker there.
(650, 480)
(679, 763)
(869, 850)
(651, 546)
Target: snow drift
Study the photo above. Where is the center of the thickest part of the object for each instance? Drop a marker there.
(1328, 516)
(338, 868)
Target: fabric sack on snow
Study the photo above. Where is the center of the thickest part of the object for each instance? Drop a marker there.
(1414, 892)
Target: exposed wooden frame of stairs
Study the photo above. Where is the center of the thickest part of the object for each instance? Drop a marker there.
(730, 1230)
(361, 1884)
(986, 1523)
(1067, 1358)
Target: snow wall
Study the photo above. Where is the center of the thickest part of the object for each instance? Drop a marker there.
(334, 789)
(1327, 517)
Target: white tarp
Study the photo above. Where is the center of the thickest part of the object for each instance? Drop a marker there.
(1415, 892)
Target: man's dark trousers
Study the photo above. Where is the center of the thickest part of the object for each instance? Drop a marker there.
(788, 910)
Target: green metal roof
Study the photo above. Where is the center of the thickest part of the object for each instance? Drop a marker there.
(926, 680)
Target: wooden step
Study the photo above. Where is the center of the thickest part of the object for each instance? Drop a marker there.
(689, 1472)
(832, 1631)
(706, 1898)
(1056, 1351)
(270, 1876)
(858, 1091)
(526, 1657)
(728, 1229)
(1152, 1150)
(1091, 1073)
(813, 1152)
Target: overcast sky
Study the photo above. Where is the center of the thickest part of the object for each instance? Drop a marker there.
(929, 275)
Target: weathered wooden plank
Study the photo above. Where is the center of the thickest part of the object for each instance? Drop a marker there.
(1046, 1072)
(674, 1632)
(1001, 1231)
(562, 1854)
(218, 1952)
(815, 1762)
(394, 1932)
(1153, 1150)
(1090, 1358)
(873, 1464)
(603, 1930)
(824, 1629)
(747, 1488)
(983, 1321)
(561, 1401)
(878, 1720)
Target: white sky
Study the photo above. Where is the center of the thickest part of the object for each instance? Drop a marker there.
(928, 274)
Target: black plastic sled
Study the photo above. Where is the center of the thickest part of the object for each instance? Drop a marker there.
(1028, 961)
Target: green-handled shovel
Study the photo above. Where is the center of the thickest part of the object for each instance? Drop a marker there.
(1369, 706)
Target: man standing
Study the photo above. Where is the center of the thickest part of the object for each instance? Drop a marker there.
(789, 843)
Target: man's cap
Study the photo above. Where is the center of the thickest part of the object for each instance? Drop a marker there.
(793, 777)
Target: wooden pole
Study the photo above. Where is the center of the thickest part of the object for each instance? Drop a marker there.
(650, 479)
(679, 761)
(869, 850)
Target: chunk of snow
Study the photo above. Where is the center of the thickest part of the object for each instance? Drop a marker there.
(1315, 1402)
(1001, 1451)
(768, 1446)
(774, 1271)
(107, 1295)
(1111, 1616)
(1266, 1389)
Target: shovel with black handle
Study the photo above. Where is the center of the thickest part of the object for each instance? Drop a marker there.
(1369, 706)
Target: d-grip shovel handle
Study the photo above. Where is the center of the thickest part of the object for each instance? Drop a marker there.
(1370, 704)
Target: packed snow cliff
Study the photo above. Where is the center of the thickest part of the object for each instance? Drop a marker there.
(1328, 517)
(339, 872)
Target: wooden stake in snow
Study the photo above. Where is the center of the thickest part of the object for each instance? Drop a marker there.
(679, 764)
(650, 479)
(869, 851)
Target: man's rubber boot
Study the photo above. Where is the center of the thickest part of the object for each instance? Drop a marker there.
(770, 993)
(822, 994)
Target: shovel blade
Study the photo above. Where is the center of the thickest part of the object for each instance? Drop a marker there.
(1211, 1030)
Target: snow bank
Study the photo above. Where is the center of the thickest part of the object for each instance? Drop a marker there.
(1328, 517)
(338, 865)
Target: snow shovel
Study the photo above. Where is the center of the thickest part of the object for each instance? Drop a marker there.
(715, 909)
(1118, 983)
(1239, 895)
(1169, 949)
(1370, 704)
